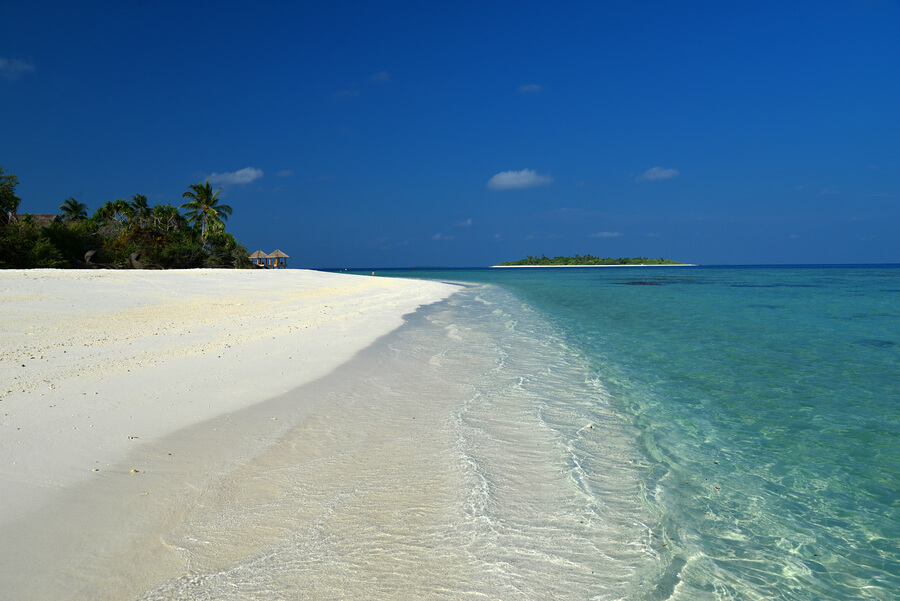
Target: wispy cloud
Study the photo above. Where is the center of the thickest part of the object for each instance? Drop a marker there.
(530, 88)
(606, 235)
(465, 223)
(242, 176)
(11, 68)
(348, 93)
(829, 191)
(658, 173)
(285, 173)
(381, 77)
(518, 180)
(441, 237)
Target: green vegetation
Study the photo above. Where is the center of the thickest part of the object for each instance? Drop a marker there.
(161, 235)
(72, 210)
(9, 202)
(204, 208)
(588, 260)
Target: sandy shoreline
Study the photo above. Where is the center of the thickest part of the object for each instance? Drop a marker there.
(95, 363)
(421, 465)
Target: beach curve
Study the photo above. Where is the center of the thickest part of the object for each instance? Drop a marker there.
(93, 363)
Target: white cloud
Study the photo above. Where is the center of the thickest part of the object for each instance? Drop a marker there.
(348, 93)
(11, 68)
(381, 77)
(530, 88)
(658, 173)
(242, 176)
(285, 173)
(606, 235)
(441, 237)
(829, 191)
(465, 223)
(794, 236)
(518, 180)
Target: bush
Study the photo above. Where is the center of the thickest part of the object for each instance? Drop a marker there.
(71, 241)
(183, 254)
(24, 246)
(224, 251)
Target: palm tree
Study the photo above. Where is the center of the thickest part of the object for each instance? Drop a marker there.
(122, 210)
(72, 210)
(140, 207)
(204, 207)
(105, 212)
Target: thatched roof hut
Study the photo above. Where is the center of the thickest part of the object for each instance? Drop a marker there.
(278, 258)
(39, 219)
(274, 259)
(260, 258)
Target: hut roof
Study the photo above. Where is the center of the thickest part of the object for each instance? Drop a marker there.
(277, 254)
(259, 255)
(39, 219)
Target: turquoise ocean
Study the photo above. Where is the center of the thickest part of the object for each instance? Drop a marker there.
(718, 432)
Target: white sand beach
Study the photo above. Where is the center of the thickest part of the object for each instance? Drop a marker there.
(95, 364)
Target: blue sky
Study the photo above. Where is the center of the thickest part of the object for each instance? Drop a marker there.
(376, 134)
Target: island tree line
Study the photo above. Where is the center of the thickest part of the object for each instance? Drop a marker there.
(589, 260)
(187, 236)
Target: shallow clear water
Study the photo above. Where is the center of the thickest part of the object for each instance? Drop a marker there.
(469, 455)
(764, 404)
(646, 434)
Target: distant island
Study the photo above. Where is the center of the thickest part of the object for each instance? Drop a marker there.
(585, 261)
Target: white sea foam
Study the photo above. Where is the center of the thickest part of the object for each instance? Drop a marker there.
(457, 478)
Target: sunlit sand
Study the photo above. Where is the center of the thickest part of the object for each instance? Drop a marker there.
(97, 367)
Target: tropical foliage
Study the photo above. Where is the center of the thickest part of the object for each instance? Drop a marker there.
(72, 210)
(9, 202)
(116, 229)
(203, 208)
(140, 207)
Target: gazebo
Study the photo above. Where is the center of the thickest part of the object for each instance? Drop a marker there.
(278, 259)
(39, 219)
(275, 259)
(260, 259)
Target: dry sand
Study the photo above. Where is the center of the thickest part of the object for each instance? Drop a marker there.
(95, 363)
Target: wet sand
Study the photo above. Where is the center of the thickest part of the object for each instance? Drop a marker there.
(116, 388)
